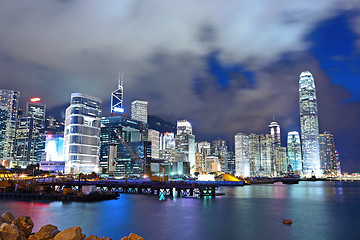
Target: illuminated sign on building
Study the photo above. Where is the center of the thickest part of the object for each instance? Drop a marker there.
(35, 99)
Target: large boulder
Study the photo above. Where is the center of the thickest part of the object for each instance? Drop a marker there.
(133, 236)
(106, 238)
(92, 237)
(24, 224)
(9, 231)
(46, 232)
(72, 233)
(8, 217)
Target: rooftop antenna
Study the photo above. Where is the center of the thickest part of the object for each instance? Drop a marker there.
(121, 79)
(273, 117)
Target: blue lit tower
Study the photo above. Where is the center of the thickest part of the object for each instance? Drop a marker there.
(309, 124)
(117, 97)
(294, 152)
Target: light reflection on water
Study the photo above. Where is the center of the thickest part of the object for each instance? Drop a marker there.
(319, 210)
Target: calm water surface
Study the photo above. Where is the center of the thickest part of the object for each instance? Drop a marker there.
(319, 210)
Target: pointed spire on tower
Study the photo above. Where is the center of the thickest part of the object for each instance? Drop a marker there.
(121, 79)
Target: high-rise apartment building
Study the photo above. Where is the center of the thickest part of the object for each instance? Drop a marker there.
(185, 146)
(309, 125)
(327, 154)
(139, 110)
(254, 154)
(242, 161)
(82, 134)
(9, 102)
(294, 153)
(117, 97)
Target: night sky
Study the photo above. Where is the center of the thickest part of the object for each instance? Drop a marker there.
(226, 66)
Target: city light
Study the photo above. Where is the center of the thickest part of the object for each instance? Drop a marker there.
(118, 109)
(35, 99)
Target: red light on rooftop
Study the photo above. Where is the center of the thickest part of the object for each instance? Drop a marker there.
(35, 99)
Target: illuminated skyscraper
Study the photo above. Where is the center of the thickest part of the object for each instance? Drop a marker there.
(309, 124)
(266, 156)
(139, 110)
(82, 134)
(242, 161)
(274, 130)
(117, 97)
(185, 146)
(294, 152)
(9, 101)
(154, 138)
(327, 153)
(167, 146)
(203, 149)
(254, 154)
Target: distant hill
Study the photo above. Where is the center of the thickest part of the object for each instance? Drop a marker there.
(160, 125)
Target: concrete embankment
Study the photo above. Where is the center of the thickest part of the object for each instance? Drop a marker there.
(21, 229)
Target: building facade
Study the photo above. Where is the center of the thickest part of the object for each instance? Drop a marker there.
(327, 154)
(309, 125)
(9, 102)
(274, 131)
(294, 153)
(242, 161)
(266, 156)
(139, 111)
(82, 134)
(185, 146)
(154, 138)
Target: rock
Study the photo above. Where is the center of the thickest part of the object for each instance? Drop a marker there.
(133, 236)
(72, 233)
(9, 231)
(125, 238)
(8, 217)
(46, 232)
(92, 237)
(106, 238)
(24, 224)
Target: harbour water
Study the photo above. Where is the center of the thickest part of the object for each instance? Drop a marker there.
(319, 210)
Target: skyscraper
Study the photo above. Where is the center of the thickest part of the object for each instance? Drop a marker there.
(139, 110)
(154, 138)
(309, 124)
(274, 130)
(242, 162)
(294, 152)
(82, 134)
(266, 156)
(117, 97)
(327, 153)
(254, 154)
(219, 148)
(9, 101)
(185, 146)
(30, 135)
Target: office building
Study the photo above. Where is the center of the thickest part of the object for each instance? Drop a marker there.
(82, 134)
(242, 161)
(117, 97)
(167, 146)
(266, 156)
(327, 154)
(203, 149)
(309, 125)
(219, 148)
(9, 103)
(281, 162)
(139, 111)
(53, 157)
(274, 131)
(154, 138)
(185, 146)
(254, 154)
(294, 153)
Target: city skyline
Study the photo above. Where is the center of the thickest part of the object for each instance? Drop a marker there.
(213, 67)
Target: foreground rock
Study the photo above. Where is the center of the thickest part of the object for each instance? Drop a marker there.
(21, 229)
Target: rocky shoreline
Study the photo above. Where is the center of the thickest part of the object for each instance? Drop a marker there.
(21, 229)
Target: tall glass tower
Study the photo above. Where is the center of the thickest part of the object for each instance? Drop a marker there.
(294, 152)
(309, 124)
(117, 97)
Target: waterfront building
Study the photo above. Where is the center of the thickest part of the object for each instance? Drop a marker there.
(212, 164)
(124, 148)
(281, 162)
(30, 135)
(185, 146)
(139, 111)
(294, 153)
(53, 158)
(82, 134)
(167, 146)
(117, 97)
(254, 154)
(242, 161)
(9, 103)
(327, 154)
(266, 156)
(338, 166)
(203, 149)
(154, 138)
(309, 125)
(231, 161)
(219, 148)
(274, 131)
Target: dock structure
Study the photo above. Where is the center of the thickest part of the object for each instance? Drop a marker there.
(169, 188)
